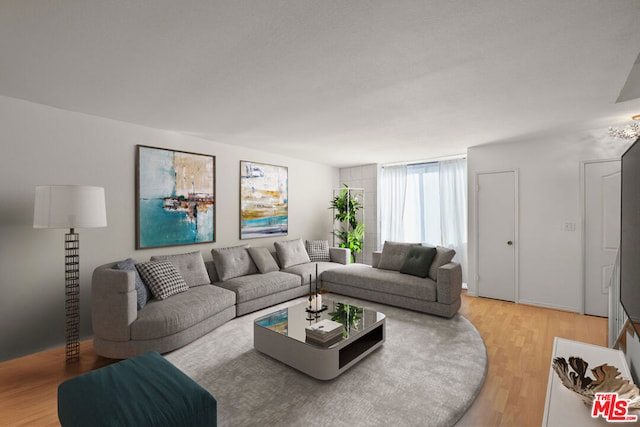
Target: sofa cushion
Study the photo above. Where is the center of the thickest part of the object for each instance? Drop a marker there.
(443, 256)
(162, 278)
(291, 252)
(255, 286)
(393, 255)
(190, 266)
(263, 260)
(308, 271)
(384, 281)
(318, 250)
(418, 261)
(171, 316)
(233, 262)
(143, 293)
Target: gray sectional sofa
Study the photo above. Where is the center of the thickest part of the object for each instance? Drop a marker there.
(430, 286)
(201, 295)
(237, 281)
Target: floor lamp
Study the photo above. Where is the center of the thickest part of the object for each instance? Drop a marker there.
(70, 206)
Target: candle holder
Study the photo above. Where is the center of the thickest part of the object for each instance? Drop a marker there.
(310, 310)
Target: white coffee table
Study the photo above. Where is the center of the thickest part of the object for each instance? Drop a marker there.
(281, 335)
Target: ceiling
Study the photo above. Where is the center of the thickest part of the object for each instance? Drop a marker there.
(337, 82)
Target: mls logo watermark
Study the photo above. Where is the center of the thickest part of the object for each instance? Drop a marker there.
(612, 409)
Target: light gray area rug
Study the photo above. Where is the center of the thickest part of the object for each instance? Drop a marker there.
(427, 373)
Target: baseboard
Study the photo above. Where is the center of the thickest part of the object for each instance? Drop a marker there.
(552, 306)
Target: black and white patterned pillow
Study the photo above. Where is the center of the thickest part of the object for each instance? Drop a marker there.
(162, 278)
(318, 250)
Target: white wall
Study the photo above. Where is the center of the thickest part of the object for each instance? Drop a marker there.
(550, 267)
(44, 145)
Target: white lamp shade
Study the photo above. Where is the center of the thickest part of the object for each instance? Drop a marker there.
(69, 206)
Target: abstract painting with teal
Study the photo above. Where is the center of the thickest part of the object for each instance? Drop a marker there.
(264, 201)
(176, 197)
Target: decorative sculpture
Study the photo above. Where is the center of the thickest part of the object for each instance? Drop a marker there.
(607, 380)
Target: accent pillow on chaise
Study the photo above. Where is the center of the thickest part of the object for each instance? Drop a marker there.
(443, 256)
(393, 255)
(418, 261)
(162, 278)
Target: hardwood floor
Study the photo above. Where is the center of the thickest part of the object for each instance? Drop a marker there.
(519, 340)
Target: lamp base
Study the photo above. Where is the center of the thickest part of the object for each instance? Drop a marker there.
(72, 295)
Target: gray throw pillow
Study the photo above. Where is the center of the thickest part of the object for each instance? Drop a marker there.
(443, 256)
(393, 255)
(143, 292)
(291, 252)
(318, 250)
(162, 278)
(418, 261)
(263, 260)
(190, 266)
(233, 262)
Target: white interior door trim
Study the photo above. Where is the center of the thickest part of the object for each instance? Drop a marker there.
(516, 211)
(583, 229)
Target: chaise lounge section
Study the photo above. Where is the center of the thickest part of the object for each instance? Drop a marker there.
(397, 278)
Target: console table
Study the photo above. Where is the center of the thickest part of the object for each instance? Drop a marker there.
(563, 407)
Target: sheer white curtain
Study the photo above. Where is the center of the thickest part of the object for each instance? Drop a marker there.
(453, 209)
(422, 204)
(392, 199)
(426, 203)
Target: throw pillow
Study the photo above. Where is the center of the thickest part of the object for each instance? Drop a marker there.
(263, 260)
(143, 292)
(291, 252)
(393, 255)
(162, 278)
(318, 250)
(233, 262)
(443, 256)
(190, 266)
(418, 261)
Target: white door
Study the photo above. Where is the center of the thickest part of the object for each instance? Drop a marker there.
(497, 235)
(602, 232)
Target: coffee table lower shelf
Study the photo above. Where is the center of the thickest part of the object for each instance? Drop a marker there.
(315, 361)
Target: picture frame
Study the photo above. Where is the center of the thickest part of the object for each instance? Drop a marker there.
(175, 197)
(264, 200)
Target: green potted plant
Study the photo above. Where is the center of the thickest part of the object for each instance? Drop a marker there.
(351, 234)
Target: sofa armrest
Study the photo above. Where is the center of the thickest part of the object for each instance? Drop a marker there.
(375, 258)
(340, 255)
(113, 303)
(449, 283)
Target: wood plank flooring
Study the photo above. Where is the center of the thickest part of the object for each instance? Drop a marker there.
(518, 338)
(519, 341)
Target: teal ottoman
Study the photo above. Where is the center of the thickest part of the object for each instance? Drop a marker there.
(146, 390)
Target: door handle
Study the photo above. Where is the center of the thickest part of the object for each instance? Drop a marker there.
(510, 243)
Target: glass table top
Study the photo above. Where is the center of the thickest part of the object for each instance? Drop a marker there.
(292, 321)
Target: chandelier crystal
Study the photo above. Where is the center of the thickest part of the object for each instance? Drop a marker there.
(631, 131)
